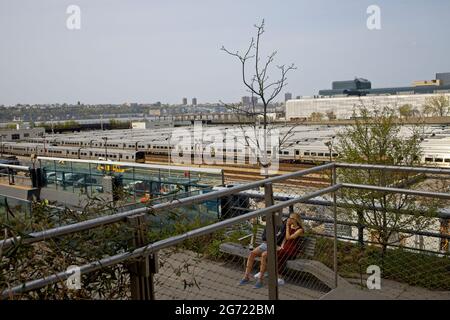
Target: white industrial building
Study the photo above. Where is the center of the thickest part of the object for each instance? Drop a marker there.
(343, 106)
(21, 133)
(152, 124)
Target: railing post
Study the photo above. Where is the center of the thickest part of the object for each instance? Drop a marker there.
(272, 267)
(335, 262)
(142, 271)
(11, 176)
(360, 228)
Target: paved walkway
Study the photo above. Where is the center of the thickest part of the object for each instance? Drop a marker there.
(184, 275)
(399, 291)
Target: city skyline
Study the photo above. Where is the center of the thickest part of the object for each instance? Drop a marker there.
(147, 52)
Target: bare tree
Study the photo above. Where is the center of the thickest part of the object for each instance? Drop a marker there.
(427, 110)
(263, 89)
(316, 116)
(440, 105)
(330, 115)
(406, 110)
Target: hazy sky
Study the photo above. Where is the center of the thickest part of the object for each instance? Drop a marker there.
(149, 50)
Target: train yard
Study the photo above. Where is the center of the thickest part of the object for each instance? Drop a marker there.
(303, 147)
(302, 144)
(234, 173)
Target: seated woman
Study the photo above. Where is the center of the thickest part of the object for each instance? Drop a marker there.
(290, 246)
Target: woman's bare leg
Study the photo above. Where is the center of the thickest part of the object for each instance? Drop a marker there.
(263, 267)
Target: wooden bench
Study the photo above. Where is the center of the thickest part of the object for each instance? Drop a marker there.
(302, 263)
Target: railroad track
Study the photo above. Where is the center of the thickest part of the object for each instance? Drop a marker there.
(284, 167)
(237, 173)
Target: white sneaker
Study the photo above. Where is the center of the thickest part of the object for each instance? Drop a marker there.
(280, 282)
(266, 274)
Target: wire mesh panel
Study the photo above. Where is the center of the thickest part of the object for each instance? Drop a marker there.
(221, 265)
(395, 245)
(220, 246)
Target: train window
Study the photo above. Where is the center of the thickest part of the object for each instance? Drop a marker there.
(320, 154)
(286, 152)
(438, 160)
(313, 154)
(306, 153)
(447, 160)
(429, 159)
(335, 154)
(15, 136)
(297, 152)
(327, 154)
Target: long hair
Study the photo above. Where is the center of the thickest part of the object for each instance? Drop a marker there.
(295, 216)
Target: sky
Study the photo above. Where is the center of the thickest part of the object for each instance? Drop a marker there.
(149, 50)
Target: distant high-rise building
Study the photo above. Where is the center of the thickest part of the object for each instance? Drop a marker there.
(444, 78)
(184, 101)
(287, 96)
(194, 101)
(246, 101)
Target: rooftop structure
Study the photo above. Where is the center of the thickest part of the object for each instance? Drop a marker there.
(363, 87)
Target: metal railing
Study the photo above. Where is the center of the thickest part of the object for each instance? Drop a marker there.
(149, 252)
(17, 175)
(78, 175)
